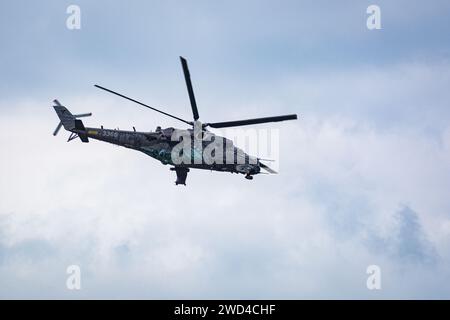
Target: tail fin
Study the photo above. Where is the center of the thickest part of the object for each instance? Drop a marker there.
(67, 118)
(70, 121)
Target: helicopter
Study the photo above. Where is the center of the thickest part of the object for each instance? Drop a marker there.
(180, 148)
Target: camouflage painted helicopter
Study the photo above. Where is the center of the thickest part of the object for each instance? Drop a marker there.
(160, 144)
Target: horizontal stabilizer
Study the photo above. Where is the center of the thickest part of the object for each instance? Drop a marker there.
(79, 125)
(82, 133)
(83, 137)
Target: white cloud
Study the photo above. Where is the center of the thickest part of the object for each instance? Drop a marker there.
(305, 233)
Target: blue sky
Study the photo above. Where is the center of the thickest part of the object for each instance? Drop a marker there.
(364, 173)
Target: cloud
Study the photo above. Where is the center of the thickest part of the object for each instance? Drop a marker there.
(411, 244)
(373, 136)
(304, 233)
(407, 243)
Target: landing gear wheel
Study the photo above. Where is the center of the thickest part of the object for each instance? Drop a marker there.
(249, 177)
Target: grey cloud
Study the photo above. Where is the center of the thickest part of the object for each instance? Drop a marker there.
(409, 242)
(406, 241)
(33, 250)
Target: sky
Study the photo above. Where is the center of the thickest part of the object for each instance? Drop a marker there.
(364, 173)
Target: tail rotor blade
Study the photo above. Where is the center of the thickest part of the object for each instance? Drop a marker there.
(82, 115)
(57, 128)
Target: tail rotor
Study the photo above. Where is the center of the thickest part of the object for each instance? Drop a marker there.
(66, 117)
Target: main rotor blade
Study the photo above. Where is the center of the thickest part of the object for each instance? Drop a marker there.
(236, 123)
(142, 104)
(187, 77)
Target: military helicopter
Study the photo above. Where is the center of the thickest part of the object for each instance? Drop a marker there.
(161, 144)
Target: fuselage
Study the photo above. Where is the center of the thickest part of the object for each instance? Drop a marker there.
(208, 152)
